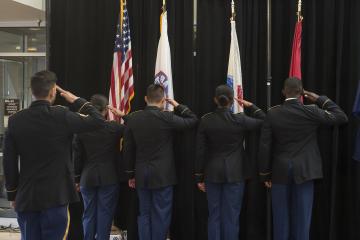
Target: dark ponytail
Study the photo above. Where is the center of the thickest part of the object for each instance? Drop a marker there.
(223, 100)
(224, 95)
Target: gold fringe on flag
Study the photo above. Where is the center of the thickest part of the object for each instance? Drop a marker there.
(161, 15)
(121, 13)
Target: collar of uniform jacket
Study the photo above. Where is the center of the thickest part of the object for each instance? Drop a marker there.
(292, 101)
(152, 108)
(40, 103)
(222, 109)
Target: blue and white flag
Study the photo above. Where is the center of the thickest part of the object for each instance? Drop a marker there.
(234, 76)
(163, 72)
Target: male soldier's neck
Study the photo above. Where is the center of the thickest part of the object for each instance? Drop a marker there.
(48, 99)
(292, 96)
(159, 105)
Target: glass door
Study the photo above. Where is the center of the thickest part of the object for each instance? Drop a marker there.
(11, 89)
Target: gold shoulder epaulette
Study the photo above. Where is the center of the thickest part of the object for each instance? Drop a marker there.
(274, 107)
(207, 114)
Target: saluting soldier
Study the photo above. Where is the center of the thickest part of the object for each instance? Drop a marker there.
(97, 161)
(290, 158)
(37, 158)
(221, 161)
(148, 151)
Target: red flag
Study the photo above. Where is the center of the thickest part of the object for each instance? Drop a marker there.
(295, 66)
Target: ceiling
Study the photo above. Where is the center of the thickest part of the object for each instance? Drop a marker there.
(11, 11)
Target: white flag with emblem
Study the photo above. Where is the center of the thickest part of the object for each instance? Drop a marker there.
(163, 73)
(234, 76)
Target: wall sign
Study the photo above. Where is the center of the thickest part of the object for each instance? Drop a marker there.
(11, 106)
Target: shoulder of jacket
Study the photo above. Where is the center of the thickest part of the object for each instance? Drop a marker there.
(274, 107)
(113, 123)
(58, 107)
(17, 113)
(310, 105)
(135, 112)
(207, 115)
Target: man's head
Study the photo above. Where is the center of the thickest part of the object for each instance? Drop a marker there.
(100, 102)
(155, 95)
(43, 86)
(293, 88)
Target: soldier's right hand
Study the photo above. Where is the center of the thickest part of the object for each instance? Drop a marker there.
(116, 111)
(132, 183)
(312, 97)
(172, 102)
(69, 97)
(201, 186)
(243, 102)
(268, 184)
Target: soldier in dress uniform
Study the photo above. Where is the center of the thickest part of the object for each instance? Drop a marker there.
(97, 166)
(221, 162)
(37, 158)
(148, 152)
(289, 157)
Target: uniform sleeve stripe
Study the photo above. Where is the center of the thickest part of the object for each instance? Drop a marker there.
(87, 103)
(328, 100)
(12, 190)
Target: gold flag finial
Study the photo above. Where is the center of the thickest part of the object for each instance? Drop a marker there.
(164, 6)
(299, 12)
(233, 14)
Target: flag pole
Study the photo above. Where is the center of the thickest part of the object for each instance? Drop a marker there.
(121, 13)
(268, 104)
(164, 6)
(299, 12)
(233, 14)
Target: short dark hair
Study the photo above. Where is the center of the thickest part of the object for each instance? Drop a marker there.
(42, 82)
(155, 93)
(99, 101)
(224, 95)
(293, 86)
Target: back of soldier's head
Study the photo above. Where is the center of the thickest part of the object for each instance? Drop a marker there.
(293, 87)
(155, 93)
(100, 102)
(41, 84)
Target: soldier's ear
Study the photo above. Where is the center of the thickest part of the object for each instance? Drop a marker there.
(53, 92)
(216, 101)
(146, 100)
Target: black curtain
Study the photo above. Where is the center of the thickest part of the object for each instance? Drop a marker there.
(82, 34)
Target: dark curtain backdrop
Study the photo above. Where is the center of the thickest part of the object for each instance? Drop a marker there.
(82, 34)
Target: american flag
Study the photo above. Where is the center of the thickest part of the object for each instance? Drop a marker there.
(122, 79)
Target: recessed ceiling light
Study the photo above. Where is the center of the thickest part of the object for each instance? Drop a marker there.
(32, 49)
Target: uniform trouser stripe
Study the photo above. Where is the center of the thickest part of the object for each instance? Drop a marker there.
(67, 225)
